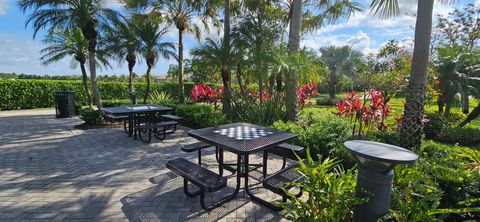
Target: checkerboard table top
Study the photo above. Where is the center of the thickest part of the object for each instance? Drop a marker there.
(242, 138)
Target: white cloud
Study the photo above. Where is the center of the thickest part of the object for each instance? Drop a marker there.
(359, 41)
(3, 7)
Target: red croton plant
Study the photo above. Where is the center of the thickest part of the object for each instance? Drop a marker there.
(204, 93)
(305, 92)
(372, 111)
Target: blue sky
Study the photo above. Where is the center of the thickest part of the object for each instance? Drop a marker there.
(19, 52)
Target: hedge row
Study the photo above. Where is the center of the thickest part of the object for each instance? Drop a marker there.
(28, 94)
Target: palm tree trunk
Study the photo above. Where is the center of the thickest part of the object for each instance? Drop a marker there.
(465, 101)
(147, 91)
(85, 83)
(258, 64)
(332, 91)
(226, 71)
(131, 64)
(293, 46)
(181, 94)
(90, 33)
(238, 74)
(473, 115)
(412, 125)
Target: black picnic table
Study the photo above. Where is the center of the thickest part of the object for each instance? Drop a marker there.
(134, 112)
(242, 139)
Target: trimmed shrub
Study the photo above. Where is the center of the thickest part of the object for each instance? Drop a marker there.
(91, 116)
(463, 136)
(29, 94)
(200, 116)
(438, 121)
(321, 132)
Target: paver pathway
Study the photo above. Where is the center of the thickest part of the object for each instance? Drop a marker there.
(50, 171)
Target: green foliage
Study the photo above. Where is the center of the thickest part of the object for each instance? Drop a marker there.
(464, 136)
(321, 132)
(439, 182)
(116, 102)
(259, 112)
(91, 117)
(28, 94)
(438, 121)
(331, 193)
(200, 116)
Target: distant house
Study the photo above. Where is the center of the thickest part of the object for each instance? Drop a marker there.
(161, 78)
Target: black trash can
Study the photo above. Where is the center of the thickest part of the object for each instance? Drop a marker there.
(64, 104)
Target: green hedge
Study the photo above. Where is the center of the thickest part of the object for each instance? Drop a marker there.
(28, 94)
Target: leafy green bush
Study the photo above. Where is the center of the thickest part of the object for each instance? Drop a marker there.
(321, 132)
(436, 184)
(324, 100)
(464, 136)
(91, 116)
(438, 121)
(28, 94)
(331, 193)
(115, 102)
(200, 116)
(257, 111)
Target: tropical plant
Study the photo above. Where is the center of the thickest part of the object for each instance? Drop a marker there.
(331, 192)
(87, 15)
(152, 47)
(125, 44)
(68, 43)
(340, 61)
(182, 14)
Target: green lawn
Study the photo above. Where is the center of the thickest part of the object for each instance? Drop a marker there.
(397, 106)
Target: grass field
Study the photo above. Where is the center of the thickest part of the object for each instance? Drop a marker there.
(397, 106)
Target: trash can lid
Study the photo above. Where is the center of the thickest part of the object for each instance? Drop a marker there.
(381, 152)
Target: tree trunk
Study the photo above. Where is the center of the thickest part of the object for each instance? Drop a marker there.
(473, 115)
(332, 86)
(238, 74)
(465, 101)
(293, 46)
(412, 125)
(226, 71)
(131, 59)
(90, 33)
(147, 91)
(181, 94)
(85, 83)
(279, 80)
(258, 64)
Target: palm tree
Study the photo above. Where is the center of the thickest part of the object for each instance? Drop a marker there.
(68, 43)
(323, 12)
(412, 126)
(225, 70)
(64, 14)
(150, 33)
(340, 61)
(125, 43)
(182, 14)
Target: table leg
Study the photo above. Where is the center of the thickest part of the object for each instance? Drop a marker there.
(135, 123)
(130, 124)
(252, 196)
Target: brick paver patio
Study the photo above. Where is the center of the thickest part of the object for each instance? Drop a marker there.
(50, 171)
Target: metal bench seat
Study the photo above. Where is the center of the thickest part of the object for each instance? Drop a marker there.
(172, 117)
(282, 180)
(158, 129)
(286, 151)
(198, 146)
(204, 179)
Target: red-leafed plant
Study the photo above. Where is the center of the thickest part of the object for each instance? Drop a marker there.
(373, 111)
(305, 92)
(206, 94)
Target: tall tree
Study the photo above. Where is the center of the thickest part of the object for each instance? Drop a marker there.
(151, 34)
(63, 14)
(225, 70)
(124, 42)
(293, 46)
(182, 14)
(412, 126)
(68, 43)
(340, 61)
(317, 13)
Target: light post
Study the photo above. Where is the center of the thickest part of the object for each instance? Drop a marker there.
(375, 175)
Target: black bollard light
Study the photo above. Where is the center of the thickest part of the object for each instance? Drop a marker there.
(375, 175)
(133, 97)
